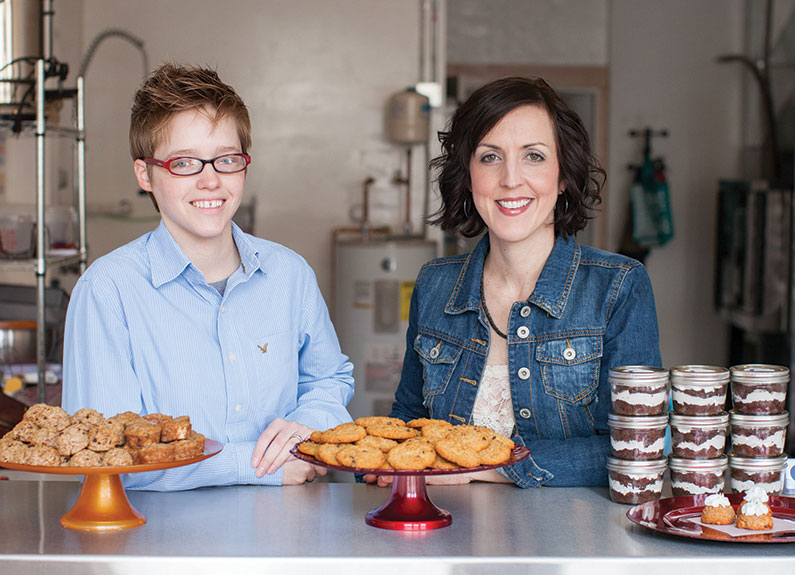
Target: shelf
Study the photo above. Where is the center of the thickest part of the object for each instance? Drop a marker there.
(29, 129)
(31, 264)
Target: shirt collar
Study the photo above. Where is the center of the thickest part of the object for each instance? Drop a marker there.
(168, 261)
(552, 288)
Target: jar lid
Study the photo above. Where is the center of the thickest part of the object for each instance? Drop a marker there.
(699, 374)
(682, 464)
(699, 420)
(636, 465)
(759, 373)
(638, 374)
(748, 419)
(768, 463)
(637, 421)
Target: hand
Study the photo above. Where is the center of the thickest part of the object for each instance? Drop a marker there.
(274, 444)
(296, 472)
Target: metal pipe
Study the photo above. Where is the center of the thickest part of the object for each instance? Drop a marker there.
(41, 262)
(81, 174)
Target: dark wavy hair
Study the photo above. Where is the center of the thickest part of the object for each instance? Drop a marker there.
(578, 167)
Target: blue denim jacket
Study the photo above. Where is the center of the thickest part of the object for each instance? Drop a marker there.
(590, 310)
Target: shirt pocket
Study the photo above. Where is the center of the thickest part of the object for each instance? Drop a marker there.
(570, 368)
(438, 358)
(274, 353)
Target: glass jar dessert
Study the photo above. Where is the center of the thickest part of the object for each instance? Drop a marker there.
(641, 437)
(634, 482)
(639, 390)
(696, 437)
(759, 388)
(697, 476)
(758, 435)
(699, 389)
(764, 472)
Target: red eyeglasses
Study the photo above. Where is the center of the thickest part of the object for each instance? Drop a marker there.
(185, 166)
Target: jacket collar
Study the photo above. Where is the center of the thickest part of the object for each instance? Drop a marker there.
(168, 261)
(552, 288)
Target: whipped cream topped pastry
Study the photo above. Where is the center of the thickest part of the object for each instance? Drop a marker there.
(754, 512)
(756, 493)
(717, 510)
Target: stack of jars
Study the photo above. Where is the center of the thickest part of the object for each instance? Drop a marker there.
(699, 424)
(638, 421)
(758, 427)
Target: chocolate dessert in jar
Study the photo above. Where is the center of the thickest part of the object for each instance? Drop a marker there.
(758, 435)
(641, 437)
(698, 437)
(639, 390)
(699, 389)
(759, 388)
(764, 472)
(697, 476)
(634, 482)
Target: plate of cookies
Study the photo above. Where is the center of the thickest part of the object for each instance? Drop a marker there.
(718, 517)
(50, 440)
(381, 445)
(409, 451)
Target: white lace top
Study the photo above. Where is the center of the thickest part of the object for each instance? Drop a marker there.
(493, 406)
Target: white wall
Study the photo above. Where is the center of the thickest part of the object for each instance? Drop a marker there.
(316, 76)
(663, 74)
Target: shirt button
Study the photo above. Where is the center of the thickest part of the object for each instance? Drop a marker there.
(223, 309)
(238, 408)
(525, 311)
(231, 356)
(524, 413)
(523, 373)
(523, 332)
(569, 353)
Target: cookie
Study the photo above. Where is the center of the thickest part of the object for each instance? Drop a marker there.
(423, 421)
(88, 417)
(441, 463)
(343, 433)
(117, 457)
(39, 455)
(308, 448)
(435, 432)
(327, 453)
(189, 448)
(141, 434)
(105, 437)
(378, 420)
(45, 415)
(469, 436)
(13, 451)
(453, 450)
(390, 431)
(495, 454)
(360, 456)
(72, 439)
(316, 436)
(175, 428)
(155, 453)
(85, 458)
(25, 431)
(381, 443)
(411, 454)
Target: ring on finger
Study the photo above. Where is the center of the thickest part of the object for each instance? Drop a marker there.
(298, 437)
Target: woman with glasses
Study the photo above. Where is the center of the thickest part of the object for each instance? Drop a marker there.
(197, 317)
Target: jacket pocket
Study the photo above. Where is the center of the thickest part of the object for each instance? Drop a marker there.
(570, 368)
(438, 358)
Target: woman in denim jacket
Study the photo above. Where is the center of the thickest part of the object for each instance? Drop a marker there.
(519, 334)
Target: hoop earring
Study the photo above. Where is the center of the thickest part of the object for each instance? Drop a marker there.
(466, 209)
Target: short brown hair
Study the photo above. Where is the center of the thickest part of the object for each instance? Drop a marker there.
(482, 111)
(173, 88)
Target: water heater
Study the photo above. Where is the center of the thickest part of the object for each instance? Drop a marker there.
(373, 284)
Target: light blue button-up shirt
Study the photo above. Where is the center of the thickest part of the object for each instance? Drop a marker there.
(146, 333)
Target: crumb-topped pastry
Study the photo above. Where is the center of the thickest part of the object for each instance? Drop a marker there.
(717, 510)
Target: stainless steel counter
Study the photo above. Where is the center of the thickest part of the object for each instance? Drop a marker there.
(320, 527)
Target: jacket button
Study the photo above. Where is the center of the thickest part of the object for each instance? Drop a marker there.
(523, 373)
(522, 332)
(569, 353)
(524, 413)
(434, 353)
(525, 311)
